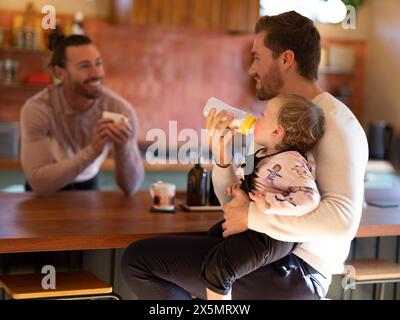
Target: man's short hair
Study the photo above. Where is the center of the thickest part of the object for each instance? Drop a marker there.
(292, 31)
(58, 43)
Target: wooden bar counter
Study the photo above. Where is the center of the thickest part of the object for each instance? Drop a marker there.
(88, 220)
(108, 165)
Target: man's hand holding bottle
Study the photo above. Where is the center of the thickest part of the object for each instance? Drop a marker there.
(220, 136)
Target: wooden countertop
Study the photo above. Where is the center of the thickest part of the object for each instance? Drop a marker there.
(105, 220)
(108, 165)
(102, 220)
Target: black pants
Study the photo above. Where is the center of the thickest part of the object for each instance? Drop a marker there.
(239, 255)
(92, 184)
(170, 268)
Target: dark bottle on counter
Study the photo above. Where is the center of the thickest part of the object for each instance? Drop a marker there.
(212, 197)
(197, 186)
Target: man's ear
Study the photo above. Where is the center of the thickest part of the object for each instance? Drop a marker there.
(287, 59)
(59, 72)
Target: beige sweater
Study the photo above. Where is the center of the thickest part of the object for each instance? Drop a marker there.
(340, 162)
(55, 142)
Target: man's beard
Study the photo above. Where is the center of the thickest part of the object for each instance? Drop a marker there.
(81, 89)
(270, 88)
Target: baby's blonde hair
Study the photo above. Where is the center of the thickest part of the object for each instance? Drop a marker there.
(303, 121)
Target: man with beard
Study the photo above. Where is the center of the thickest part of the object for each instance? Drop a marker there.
(64, 138)
(286, 55)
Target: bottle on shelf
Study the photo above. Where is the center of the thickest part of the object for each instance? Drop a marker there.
(197, 186)
(212, 197)
(242, 120)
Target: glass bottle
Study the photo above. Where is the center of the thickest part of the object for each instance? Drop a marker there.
(212, 197)
(197, 186)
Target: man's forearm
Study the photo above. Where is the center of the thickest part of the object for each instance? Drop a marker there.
(222, 179)
(49, 178)
(327, 222)
(129, 168)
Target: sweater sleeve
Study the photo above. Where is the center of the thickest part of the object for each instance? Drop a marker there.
(222, 178)
(129, 169)
(44, 174)
(296, 191)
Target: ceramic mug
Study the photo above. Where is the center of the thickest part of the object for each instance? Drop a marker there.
(163, 195)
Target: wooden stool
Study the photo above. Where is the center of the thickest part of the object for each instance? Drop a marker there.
(69, 286)
(373, 271)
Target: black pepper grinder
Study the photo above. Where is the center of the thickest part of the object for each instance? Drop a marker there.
(197, 186)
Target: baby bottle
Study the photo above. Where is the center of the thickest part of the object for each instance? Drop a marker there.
(242, 120)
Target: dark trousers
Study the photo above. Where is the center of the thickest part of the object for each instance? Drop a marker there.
(239, 255)
(170, 268)
(92, 184)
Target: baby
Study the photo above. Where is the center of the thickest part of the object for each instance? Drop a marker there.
(281, 183)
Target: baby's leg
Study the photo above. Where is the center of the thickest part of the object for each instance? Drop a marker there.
(239, 255)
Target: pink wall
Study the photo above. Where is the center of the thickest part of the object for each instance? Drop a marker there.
(168, 74)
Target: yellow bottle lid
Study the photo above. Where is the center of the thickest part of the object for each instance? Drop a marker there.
(247, 125)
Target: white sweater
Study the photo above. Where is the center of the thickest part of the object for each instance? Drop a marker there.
(340, 161)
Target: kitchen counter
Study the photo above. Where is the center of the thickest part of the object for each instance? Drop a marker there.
(106, 220)
(108, 165)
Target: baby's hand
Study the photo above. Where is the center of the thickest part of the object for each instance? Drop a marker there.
(259, 199)
(233, 189)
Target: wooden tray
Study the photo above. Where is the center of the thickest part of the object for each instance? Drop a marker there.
(185, 207)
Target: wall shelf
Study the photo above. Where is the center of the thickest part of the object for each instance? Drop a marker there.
(14, 94)
(27, 51)
(330, 70)
(22, 85)
(346, 83)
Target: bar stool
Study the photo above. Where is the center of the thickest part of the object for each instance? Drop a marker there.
(372, 271)
(69, 286)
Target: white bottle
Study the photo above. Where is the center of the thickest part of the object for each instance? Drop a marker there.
(242, 120)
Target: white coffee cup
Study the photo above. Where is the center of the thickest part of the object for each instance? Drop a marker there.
(163, 195)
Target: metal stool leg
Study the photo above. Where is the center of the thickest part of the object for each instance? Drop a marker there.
(381, 291)
(346, 292)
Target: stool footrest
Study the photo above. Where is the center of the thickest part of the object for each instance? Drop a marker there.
(29, 286)
(374, 269)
